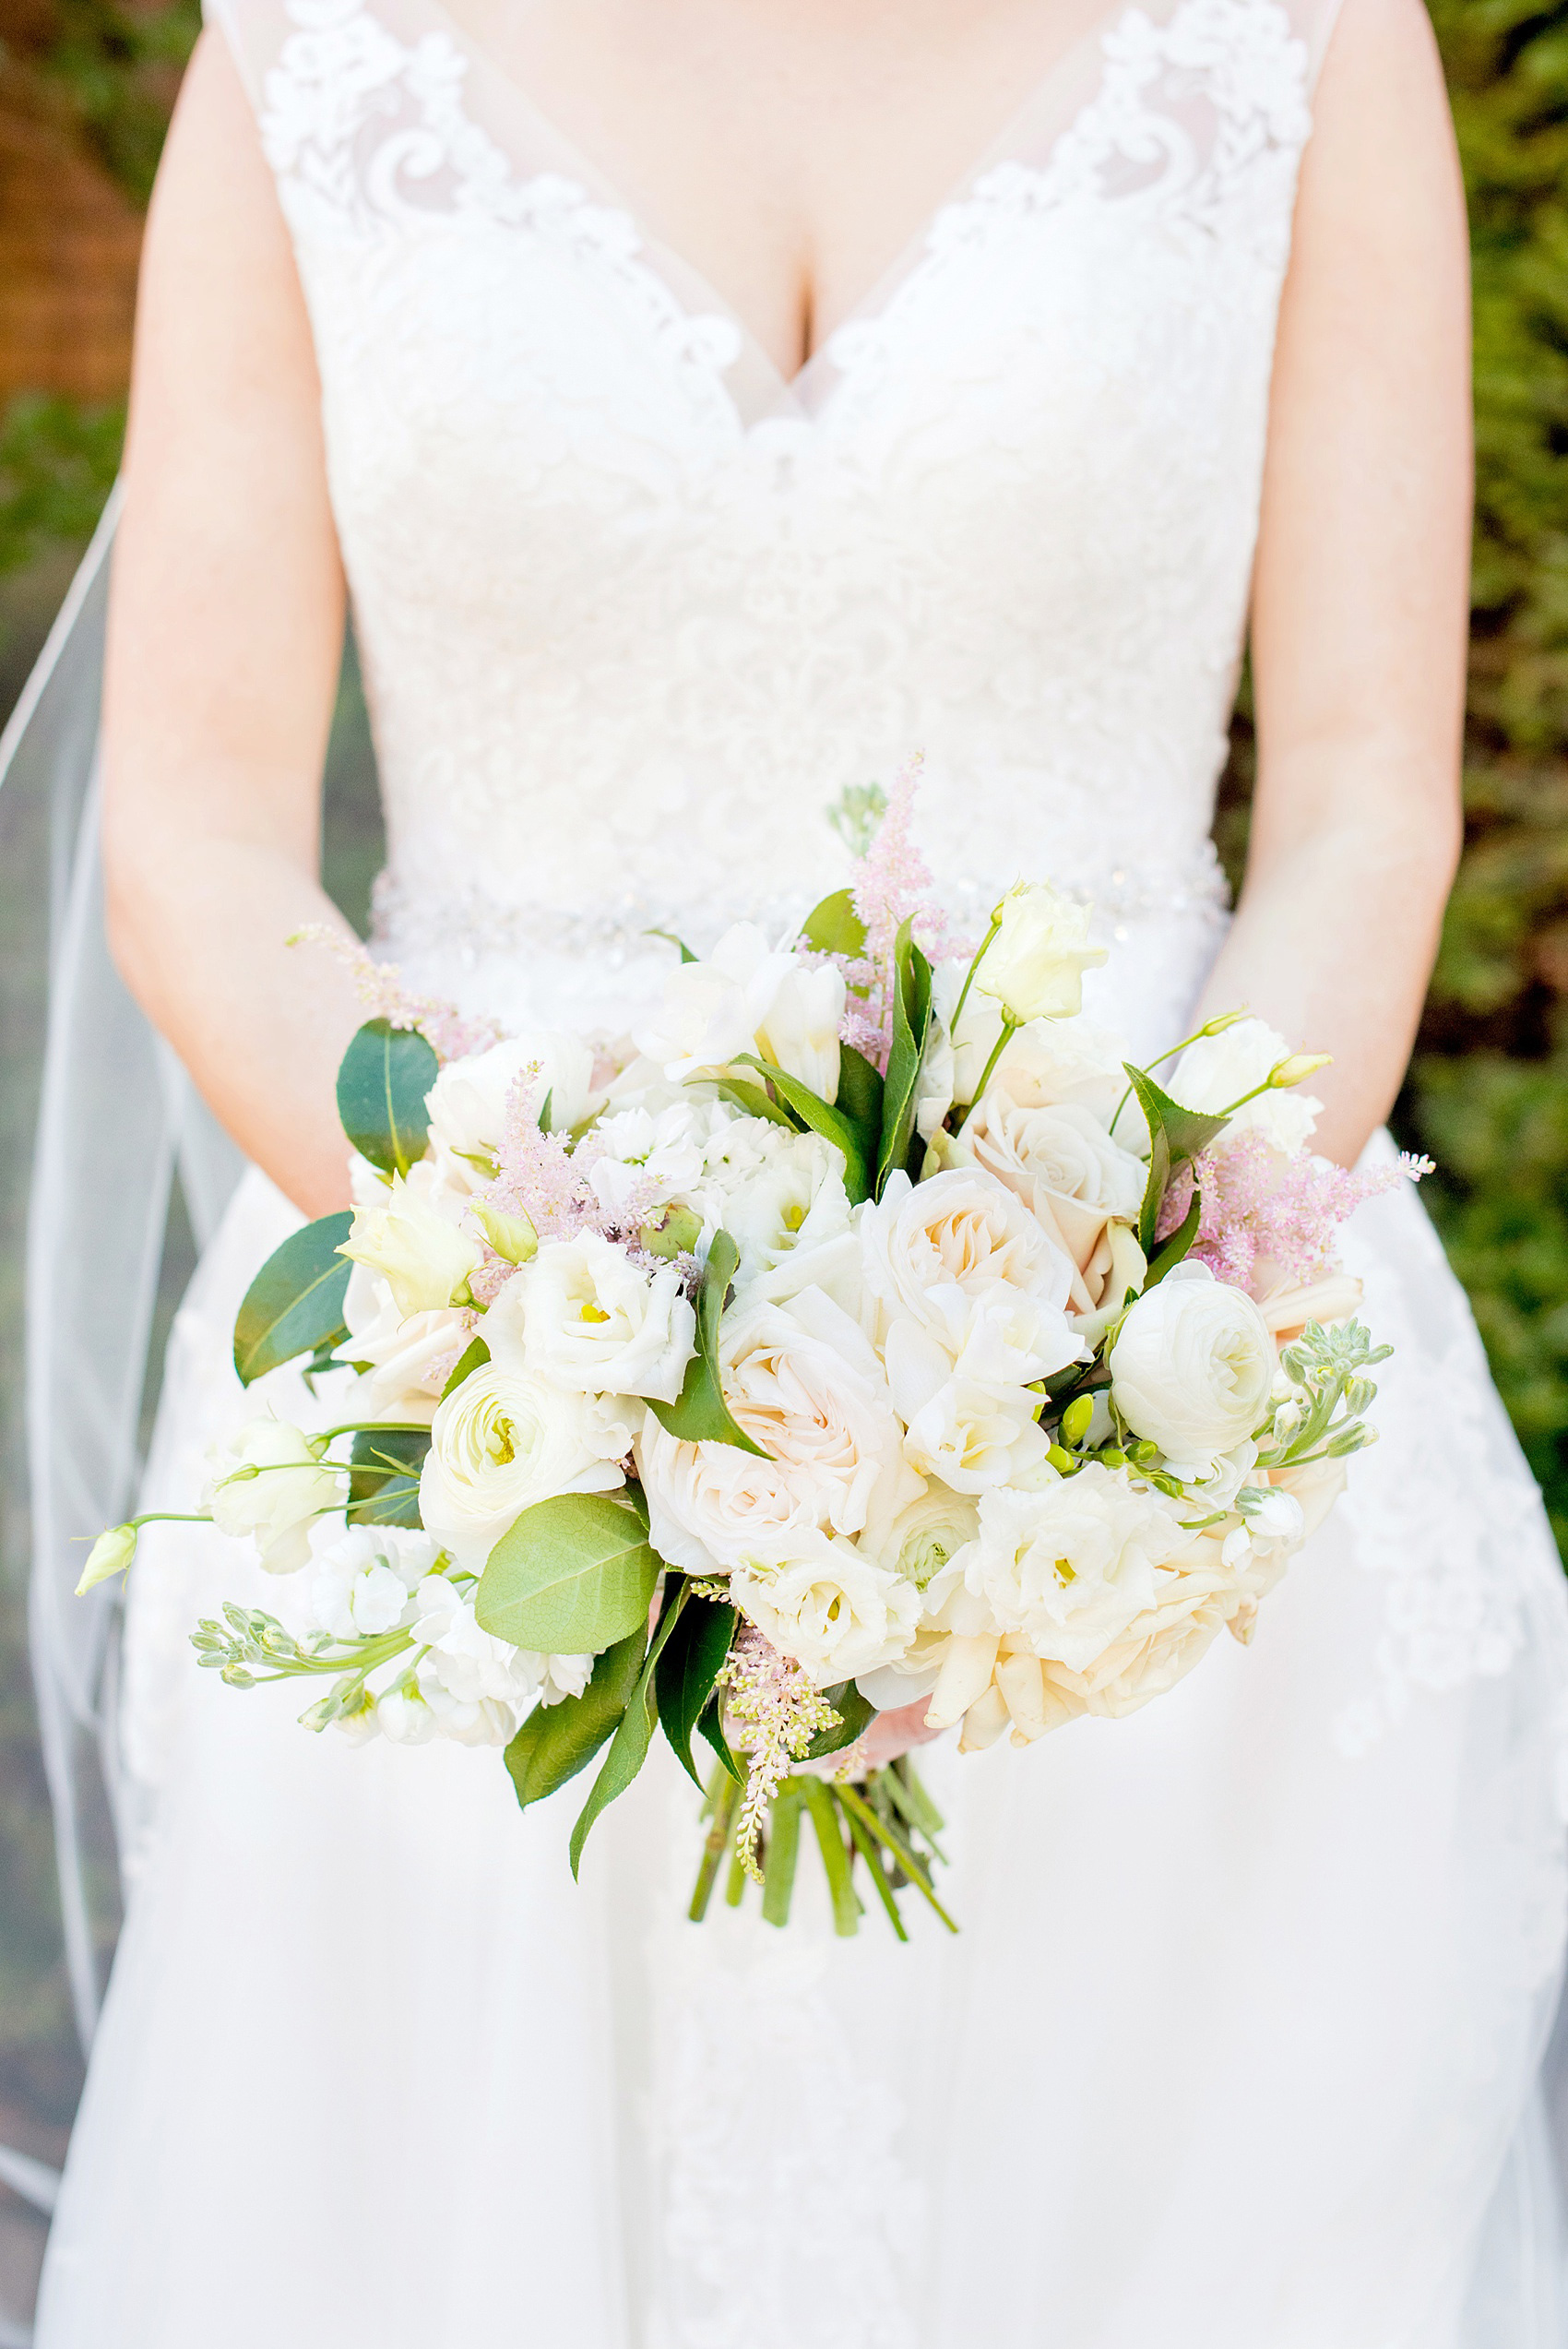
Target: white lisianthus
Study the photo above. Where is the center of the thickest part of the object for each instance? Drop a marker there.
(1034, 966)
(425, 1257)
(1066, 1566)
(712, 1010)
(466, 1104)
(583, 1316)
(408, 1353)
(267, 1481)
(931, 1251)
(361, 1584)
(800, 1033)
(1218, 1070)
(792, 1206)
(504, 1440)
(1192, 1368)
(830, 1607)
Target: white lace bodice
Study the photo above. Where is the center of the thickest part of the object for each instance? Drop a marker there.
(635, 612)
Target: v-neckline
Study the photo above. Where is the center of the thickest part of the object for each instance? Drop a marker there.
(701, 300)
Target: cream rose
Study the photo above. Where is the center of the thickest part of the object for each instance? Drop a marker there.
(269, 1482)
(1192, 1366)
(828, 1606)
(1061, 1161)
(932, 1251)
(583, 1316)
(425, 1257)
(1034, 966)
(505, 1439)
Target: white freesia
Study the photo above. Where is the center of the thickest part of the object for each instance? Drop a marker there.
(1067, 1567)
(505, 1439)
(800, 1030)
(360, 1585)
(410, 1355)
(583, 1317)
(268, 1481)
(423, 1256)
(466, 1104)
(1034, 966)
(935, 1250)
(1192, 1366)
(1218, 1070)
(828, 1606)
(713, 1010)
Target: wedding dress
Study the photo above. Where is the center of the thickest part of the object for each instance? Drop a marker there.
(1239, 2045)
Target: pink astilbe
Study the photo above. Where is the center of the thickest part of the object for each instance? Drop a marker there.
(1260, 1208)
(772, 1715)
(892, 884)
(450, 1033)
(535, 1174)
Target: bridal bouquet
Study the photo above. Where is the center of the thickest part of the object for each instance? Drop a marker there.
(865, 1329)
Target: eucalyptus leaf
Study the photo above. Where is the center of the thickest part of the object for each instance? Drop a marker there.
(834, 926)
(699, 1414)
(628, 1747)
(824, 1119)
(574, 1575)
(382, 1083)
(557, 1741)
(688, 1669)
(911, 1020)
(295, 1303)
(383, 1476)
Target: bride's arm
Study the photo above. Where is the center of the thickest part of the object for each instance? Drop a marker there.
(1361, 596)
(224, 638)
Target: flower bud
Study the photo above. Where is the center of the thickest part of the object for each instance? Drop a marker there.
(1296, 1068)
(1075, 1419)
(512, 1236)
(1034, 965)
(108, 1556)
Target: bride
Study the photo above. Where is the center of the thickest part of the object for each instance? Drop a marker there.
(706, 404)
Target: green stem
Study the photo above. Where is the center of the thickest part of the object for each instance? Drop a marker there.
(783, 1847)
(866, 1845)
(969, 974)
(723, 1795)
(834, 1859)
(1009, 1029)
(901, 1852)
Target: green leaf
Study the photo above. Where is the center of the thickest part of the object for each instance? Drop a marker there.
(912, 1019)
(824, 1119)
(295, 1303)
(557, 1741)
(1176, 1246)
(573, 1575)
(670, 939)
(473, 1357)
(710, 1724)
(699, 1414)
(1176, 1136)
(860, 1099)
(855, 1712)
(687, 1671)
(628, 1747)
(834, 926)
(753, 1101)
(384, 1477)
(384, 1077)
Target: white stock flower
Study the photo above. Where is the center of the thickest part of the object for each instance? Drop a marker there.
(712, 1010)
(477, 1686)
(1218, 1070)
(830, 1607)
(638, 1149)
(1192, 1366)
(267, 1481)
(360, 1585)
(425, 1257)
(583, 1316)
(505, 1439)
(408, 1353)
(935, 1251)
(1034, 966)
(800, 1030)
(466, 1104)
(1068, 1566)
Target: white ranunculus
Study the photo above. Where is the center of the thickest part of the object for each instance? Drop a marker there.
(1034, 966)
(1192, 1368)
(268, 1481)
(932, 1251)
(360, 1585)
(1069, 1566)
(712, 1010)
(424, 1257)
(583, 1316)
(1218, 1070)
(466, 1104)
(504, 1440)
(410, 1355)
(828, 1606)
(923, 1537)
(801, 1031)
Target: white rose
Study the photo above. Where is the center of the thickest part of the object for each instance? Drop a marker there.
(466, 1104)
(801, 1031)
(425, 1257)
(1034, 966)
(410, 1355)
(712, 1010)
(1218, 1070)
(830, 1607)
(268, 1481)
(1061, 1161)
(932, 1250)
(583, 1316)
(360, 1585)
(502, 1441)
(1192, 1366)
(1067, 1567)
